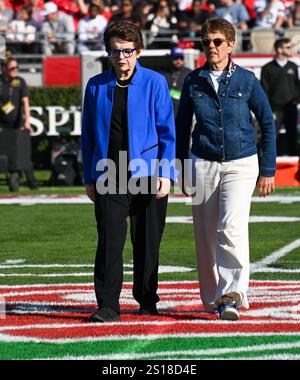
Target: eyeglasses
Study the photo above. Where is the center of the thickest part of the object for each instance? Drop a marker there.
(115, 53)
(13, 68)
(216, 41)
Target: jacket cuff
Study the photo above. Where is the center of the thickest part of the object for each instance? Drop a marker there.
(267, 172)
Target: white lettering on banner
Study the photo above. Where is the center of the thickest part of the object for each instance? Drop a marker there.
(38, 126)
(77, 121)
(53, 122)
(57, 117)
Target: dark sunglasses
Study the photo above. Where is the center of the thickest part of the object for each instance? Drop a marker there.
(216, 41)
(115, 53)
(13, 68)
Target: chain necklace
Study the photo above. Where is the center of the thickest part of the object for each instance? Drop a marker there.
(122, 86)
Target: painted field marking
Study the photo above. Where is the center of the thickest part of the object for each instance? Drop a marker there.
(252, 219)
(263, 265)
(129, 356)
(275, 308)
(162, 269)
(186, 353)
(285, 199)
(29, 200)
(2, 308)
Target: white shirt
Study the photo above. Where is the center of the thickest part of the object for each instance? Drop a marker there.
(276, 9)
(90, 28)
(282, 63)
(215, 77)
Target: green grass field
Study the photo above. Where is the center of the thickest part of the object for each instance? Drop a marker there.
(55, 244)
(65, 234)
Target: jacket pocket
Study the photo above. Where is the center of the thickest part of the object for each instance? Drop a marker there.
(238, 102)
(149, 148)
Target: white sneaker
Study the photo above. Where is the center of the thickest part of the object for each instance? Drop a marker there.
(229, 312)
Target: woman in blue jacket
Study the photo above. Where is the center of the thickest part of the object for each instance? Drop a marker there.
(127, 117)
(224, 165)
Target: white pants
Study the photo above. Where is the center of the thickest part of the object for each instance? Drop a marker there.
(221, 214)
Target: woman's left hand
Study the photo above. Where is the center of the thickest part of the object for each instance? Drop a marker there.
(163, 187)
(265, 185)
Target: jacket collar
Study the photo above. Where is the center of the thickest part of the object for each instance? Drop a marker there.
(231, 67)
(112, 79)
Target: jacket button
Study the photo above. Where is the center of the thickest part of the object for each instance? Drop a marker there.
(240, 94)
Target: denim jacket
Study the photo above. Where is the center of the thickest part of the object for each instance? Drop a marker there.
(223, 129)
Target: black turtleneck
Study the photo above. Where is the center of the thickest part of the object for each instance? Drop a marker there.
(118, 137)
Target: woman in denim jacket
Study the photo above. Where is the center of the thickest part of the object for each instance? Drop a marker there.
(225, 166)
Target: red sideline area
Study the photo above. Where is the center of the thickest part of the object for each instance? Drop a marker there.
(65, 71)
(288, 171)
(62, 71)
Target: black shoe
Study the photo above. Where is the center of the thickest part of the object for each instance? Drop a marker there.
(33, 185)
(13, 182)
(148, 310)
(105, 315)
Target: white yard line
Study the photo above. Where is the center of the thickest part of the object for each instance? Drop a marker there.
(263, 264)
(269, 199)
(83, 199)
(170, 354)
(252, 219)
(15, 338)
(87, 284)
(274, 270)
(162, 269)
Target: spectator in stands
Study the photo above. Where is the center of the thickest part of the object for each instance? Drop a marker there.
(186, 5)
(280, 81)
(59, 31)
(74, 8)
(143, 8)
(15, 111)
(90, 30)
(37, 8)
(176, 74)
(6, 16)
(235, 13)
(219, 96)
(249, 4)
(194, 18)
(126, 14)
(133, 105)
(21, 33)
(294, 15)
(160, 23)
(104, 10)
(270, 13)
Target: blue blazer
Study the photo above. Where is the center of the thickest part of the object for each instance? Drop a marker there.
(151, 126)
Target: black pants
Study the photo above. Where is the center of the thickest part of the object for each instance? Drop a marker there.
(147, 221)
(288, 116)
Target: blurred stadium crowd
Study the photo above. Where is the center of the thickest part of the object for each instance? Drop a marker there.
(73, 26)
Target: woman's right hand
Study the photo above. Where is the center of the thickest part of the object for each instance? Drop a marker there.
(265, 185)
(90, 191)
